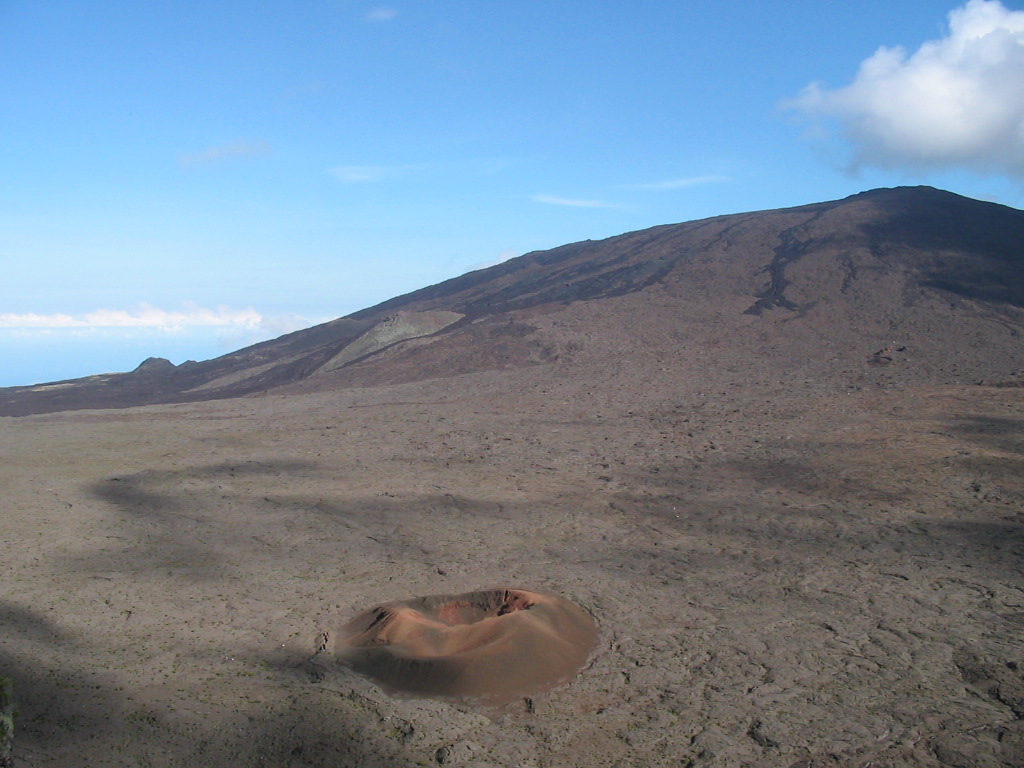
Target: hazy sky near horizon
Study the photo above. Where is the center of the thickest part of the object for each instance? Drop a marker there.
(183, 179)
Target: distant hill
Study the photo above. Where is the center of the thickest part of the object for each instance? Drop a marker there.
(910, 284)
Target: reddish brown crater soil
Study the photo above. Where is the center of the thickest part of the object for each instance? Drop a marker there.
(492, 645)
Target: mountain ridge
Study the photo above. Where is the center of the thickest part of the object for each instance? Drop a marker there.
(880, 251)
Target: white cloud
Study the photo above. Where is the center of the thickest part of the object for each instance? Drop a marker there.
(689, 181)
(955, 102)
(381, 14)
(213, 155)
(143, 316)
(552, 200)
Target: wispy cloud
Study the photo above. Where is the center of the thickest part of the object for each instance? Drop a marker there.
(464, 168)
(553, 200)
(501, 259)
(368, 174)
(381, 14)
(957, 102)
(307, 90)
(268, 327)
(221, 152)
(681, 183)
(143, 316)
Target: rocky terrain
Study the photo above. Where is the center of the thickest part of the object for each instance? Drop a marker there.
(777, 456)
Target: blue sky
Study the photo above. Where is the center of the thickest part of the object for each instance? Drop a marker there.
(183, 179)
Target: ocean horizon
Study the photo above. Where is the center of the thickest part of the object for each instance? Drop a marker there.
(43, 357)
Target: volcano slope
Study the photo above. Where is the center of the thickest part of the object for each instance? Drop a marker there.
(777, 457)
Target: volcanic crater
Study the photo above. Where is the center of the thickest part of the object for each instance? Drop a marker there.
(492, 645)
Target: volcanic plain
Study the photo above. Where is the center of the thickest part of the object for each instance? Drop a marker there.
(778, 458)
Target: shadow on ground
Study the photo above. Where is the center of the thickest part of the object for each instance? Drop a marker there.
(67, 716)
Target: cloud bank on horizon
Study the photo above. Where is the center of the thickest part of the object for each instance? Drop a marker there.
(956, 102)
(232, 325)
(144, 316)
(65, 346)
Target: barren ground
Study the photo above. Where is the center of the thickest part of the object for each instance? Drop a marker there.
(810, 576)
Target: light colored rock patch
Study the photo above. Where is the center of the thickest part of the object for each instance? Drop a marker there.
(397, 327)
